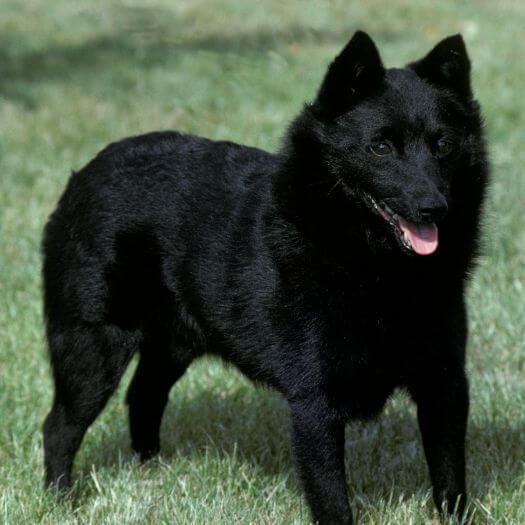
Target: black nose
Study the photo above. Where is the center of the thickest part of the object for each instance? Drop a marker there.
(432, 208)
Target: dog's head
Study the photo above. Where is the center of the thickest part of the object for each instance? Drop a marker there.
(395, 141)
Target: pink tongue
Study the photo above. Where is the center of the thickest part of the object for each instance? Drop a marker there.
(422, 237)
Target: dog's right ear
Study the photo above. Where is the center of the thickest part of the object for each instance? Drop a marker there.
(447, 65)
(350, 77)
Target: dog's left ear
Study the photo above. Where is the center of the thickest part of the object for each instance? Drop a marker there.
(350, 77)
(447, 65)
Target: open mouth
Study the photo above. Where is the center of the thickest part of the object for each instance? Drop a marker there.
(416, 238)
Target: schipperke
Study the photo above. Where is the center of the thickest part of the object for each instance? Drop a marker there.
(333, 271)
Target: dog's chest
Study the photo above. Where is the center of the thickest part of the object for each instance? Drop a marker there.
(373, 341)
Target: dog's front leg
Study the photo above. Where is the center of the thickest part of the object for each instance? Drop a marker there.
(442, 409)
(318, 445)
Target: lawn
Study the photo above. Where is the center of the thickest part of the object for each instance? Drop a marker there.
(76, 75)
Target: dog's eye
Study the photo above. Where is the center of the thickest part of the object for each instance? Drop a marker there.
(443, 147)
(381, 149)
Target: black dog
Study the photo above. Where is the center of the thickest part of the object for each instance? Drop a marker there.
(333, 271)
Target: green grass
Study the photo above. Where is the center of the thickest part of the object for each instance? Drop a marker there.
(76, 75)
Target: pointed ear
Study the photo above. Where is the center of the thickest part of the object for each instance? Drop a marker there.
(353, 73)
(447, 65)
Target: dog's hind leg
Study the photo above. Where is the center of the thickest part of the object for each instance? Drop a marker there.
(147, 396)
(88, 362)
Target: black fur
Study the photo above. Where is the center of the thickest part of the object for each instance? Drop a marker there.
(174, 246)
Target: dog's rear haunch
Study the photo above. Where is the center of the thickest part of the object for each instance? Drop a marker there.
(333, 271)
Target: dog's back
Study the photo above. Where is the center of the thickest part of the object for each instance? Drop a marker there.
(139, 200)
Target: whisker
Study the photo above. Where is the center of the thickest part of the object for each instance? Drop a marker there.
(339, 181)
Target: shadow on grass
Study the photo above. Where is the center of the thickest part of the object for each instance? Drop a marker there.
(251, 426)
(385, 457)
(143, 39)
